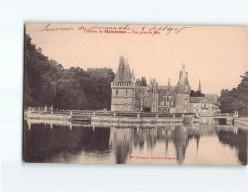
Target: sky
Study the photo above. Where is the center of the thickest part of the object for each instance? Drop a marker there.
(215, 55)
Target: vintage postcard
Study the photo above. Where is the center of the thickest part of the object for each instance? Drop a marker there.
(135, 94)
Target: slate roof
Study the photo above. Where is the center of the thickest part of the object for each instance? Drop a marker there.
(123, 74)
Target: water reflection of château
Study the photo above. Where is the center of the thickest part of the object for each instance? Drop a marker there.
(43, 142)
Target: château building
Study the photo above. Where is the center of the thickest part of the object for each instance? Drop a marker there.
(130, 94)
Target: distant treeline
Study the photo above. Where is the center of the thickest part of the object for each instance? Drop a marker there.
(48, 83)
(237, 98)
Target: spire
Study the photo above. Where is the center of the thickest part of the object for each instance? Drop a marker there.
(123, 73)
(199, 87)
(133, 76)
(169, 82)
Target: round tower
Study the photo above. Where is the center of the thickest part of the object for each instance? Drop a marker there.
(183, 90)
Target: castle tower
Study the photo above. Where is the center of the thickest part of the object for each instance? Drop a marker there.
(123, 88)
(183, 90)
(199, 86)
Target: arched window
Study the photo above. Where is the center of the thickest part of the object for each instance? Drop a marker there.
(116, 92)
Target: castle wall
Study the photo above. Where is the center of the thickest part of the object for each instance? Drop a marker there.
(182, 102)
(205, 106)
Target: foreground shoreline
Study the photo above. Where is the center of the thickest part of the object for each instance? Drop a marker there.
(106, 119)
(241, 122)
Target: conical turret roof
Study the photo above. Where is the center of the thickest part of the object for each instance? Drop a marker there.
(183, 77)
(123, 74)
(183, 83)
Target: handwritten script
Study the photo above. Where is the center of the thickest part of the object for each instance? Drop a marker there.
(117, 29)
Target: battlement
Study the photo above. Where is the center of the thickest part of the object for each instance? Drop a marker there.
(122, 85)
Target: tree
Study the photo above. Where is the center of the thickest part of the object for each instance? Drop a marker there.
(46, 82)
(226, 100)
(237, 98)
(41, 75)
(196, 94)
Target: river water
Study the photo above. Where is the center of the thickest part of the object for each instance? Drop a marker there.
(170, 144)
